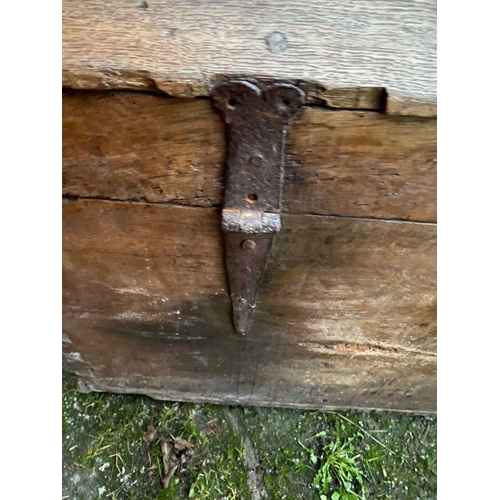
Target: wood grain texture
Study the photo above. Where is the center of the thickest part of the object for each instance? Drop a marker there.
(134, 146)
(183, 46)
(345, 316)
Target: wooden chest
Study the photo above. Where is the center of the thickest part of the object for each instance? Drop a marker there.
(346, 312)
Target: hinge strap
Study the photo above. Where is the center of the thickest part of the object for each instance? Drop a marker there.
(257, 116)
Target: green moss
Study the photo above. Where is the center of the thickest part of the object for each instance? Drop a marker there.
(103, 448)
(104, 455)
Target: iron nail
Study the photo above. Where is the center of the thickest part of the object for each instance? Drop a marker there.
(257, 160)
(248, 244)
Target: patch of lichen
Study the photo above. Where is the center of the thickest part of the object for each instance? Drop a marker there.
(102, 438)
(104, 454)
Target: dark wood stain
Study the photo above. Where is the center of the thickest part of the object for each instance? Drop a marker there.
(346, 312)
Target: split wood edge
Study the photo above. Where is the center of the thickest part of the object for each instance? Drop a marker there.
(340, 98)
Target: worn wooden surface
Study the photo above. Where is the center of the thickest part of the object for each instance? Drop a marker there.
(345, 316)
(132, 146)
(353, 49)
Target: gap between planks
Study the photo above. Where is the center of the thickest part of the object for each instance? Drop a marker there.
(71, 199)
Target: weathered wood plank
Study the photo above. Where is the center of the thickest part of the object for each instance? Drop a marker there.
(132, 146)
(182, 47)
(345, 316)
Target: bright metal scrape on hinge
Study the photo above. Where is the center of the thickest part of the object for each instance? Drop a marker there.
(257, 116)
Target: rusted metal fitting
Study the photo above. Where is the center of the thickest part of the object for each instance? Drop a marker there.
(257, 116)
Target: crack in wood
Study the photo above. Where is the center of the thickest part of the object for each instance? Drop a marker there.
(72, 199)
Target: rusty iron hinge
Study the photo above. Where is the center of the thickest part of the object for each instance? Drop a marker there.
(257, 116)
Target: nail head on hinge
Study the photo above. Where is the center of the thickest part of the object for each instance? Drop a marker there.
(257, 160)
(248, 244)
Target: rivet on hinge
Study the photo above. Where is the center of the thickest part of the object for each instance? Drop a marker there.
(257, 116)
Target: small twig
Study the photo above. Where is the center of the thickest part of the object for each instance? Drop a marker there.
(121, 460)
(165, 456)
(166, 480)
(424, 434)
(116, 464)
(363, 431)
(113, 492)
(309, 467)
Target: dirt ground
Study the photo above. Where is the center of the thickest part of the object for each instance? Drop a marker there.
(133, 447)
